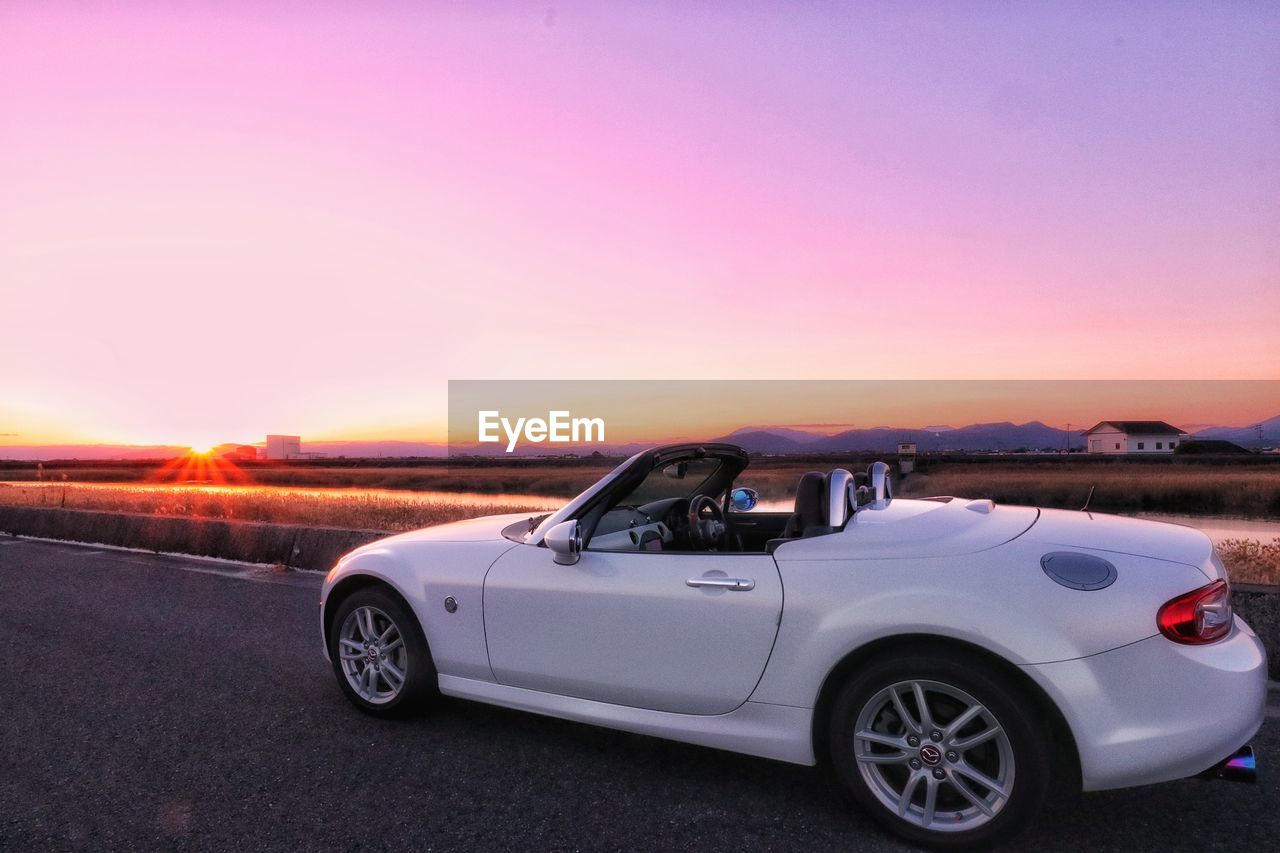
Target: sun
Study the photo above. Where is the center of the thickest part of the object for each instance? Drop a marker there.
(201, 463)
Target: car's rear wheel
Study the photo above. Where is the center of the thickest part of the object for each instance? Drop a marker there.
(940, 749)
(380, 655)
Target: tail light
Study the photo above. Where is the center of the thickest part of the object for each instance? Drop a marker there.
(1198, 617)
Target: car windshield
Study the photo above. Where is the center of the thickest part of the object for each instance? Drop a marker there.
(673, 480)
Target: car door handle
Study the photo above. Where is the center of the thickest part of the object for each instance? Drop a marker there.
(738, 584)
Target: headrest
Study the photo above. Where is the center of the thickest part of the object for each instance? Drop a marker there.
(837, 483)
(810, 506)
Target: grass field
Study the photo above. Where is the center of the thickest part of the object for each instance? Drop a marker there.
(1251, 560)
(530, 479)
(1225, 488)
(363, 512)
(1247, 560)
(1250, 490)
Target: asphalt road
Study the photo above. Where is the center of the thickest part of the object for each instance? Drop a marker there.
(154, 702)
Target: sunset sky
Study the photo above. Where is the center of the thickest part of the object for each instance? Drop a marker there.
(221, 220)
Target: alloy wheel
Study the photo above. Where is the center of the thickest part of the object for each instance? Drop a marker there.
(934, 756)
(373, 655)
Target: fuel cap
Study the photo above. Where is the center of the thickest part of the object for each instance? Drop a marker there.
(1078, 571)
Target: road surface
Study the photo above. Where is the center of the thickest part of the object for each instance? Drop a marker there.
(151, 702)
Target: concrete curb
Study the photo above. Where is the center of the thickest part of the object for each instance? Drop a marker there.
(295, 546)
(273, 573)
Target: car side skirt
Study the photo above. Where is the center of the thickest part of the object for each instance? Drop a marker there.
(779, 732)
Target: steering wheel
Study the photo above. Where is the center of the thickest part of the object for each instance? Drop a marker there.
(706, 532)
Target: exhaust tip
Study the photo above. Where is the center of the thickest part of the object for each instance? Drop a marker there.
(1240, 766)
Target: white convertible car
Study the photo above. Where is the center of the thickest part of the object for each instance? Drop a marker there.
(947, 659)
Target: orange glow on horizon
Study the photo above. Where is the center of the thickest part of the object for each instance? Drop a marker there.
(200, 467)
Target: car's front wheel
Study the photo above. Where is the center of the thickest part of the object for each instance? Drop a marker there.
(940, 749)
(380, 655)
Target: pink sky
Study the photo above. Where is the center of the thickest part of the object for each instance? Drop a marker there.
(223, 221)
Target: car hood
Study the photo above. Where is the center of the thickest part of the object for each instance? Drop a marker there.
(1139, 537)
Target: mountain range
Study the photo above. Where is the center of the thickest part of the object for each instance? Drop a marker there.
(1004, 435)
(1246, 436)
(993, 436)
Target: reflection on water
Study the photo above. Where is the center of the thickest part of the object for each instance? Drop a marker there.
(1219, 528)
(496, 501)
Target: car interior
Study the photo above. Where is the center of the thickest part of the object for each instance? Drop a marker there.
(691, 505)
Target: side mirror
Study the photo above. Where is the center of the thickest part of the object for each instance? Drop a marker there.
(744, 500)
(676, 470)
(565, 542)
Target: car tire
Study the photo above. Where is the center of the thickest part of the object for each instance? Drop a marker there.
(380, 655)
(974, 782)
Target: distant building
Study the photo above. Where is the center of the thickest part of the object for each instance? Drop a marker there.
(238, 452)
(906, 457)
(1133, 437)
(1210, 447)
(284, 447)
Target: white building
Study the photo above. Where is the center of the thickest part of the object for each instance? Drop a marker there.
(906, 457)
(284, 447)
(1133, 437)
